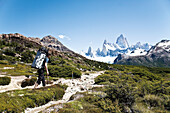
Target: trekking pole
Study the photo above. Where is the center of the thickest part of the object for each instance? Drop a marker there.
(47, 78)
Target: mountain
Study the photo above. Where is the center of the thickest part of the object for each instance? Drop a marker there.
(110, 51)
(122, 42)
(157, 56)
(90, 52)
(52, 42)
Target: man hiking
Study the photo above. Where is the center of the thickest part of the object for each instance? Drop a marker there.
(41, 71)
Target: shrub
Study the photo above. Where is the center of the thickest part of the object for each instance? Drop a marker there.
(167, 104)
(1, 56)
(5, 80)
(64, 71)
(28, 82)
(27, 56)
(9, 52)
(122, 92)
(68, 110)
(153, 100)
(108, 106)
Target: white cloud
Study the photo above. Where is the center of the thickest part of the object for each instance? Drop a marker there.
(64, 37)
(61, 36)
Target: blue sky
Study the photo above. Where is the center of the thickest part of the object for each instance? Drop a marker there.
(79, 24)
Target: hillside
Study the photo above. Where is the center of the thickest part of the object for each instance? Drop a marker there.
(16, 48)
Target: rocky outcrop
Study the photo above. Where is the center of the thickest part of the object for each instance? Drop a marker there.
(47, 41)
(52, 42)
(18, 38)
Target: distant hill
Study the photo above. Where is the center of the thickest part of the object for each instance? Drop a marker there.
(157, 56)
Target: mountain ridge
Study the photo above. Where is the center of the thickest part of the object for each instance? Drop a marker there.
(157, 56)
(112, 50)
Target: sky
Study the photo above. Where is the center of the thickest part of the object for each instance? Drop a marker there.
(79, 24)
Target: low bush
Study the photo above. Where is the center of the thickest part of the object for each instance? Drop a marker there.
(87, 104)
(64, 71)
(27, 56)
(5, 80)
(10, 52)
(108, 106)
(125, 93)
(153, 100)
(28, 82)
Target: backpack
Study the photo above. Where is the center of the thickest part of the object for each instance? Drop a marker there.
(39, 58)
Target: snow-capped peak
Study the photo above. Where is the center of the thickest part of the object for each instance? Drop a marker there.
(136, 52)
(122, 42)
(164, 44)
(160, 47)
(111, 50)
(105, 42)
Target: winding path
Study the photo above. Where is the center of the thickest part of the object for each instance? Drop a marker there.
(15, 84)
(85, 83)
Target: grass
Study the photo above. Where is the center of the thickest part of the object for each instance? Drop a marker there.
(18, 100)
(19, 69)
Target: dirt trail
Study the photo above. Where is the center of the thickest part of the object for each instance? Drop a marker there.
(15, 84)
(85, 83)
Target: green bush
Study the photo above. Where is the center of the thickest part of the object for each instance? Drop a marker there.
(5, 80)
(87, 104)
(64, 71)
(125, 93)
(108, 106)
(28, 82)
(153, 100)
(68, 110)
(10, 52)
(27, 56)
(1, 56)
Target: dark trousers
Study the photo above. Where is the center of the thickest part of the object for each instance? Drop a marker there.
(41, 76)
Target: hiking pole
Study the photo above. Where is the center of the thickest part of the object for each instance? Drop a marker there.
(72, 74)
(47, 79)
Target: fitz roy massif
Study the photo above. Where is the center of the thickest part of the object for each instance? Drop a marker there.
(110, 51)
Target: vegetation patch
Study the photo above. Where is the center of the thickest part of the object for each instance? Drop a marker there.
(5, 80)
(87, 104)
(28, 82)
(134, 86)
(18, 70)
(64, 71)
(19, 100)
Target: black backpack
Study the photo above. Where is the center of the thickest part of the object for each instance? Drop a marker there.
(39, 58)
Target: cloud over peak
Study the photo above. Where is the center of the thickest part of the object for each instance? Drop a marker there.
(64, 37)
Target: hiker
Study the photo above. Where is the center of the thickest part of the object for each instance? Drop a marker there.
(41, 71)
